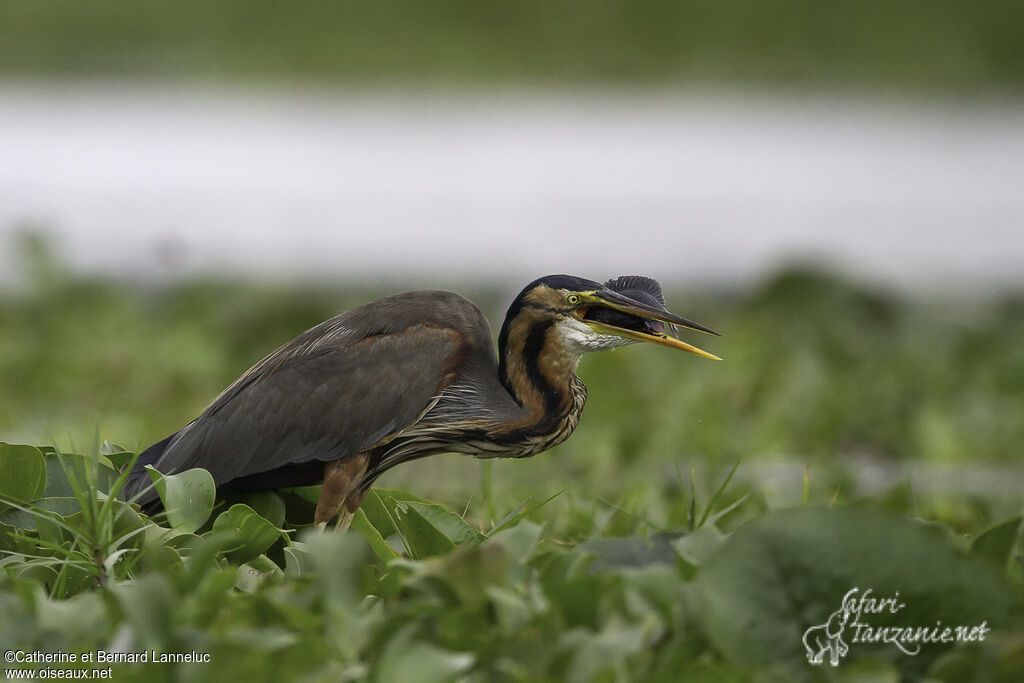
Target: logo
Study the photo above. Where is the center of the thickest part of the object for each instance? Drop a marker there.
(857, 621)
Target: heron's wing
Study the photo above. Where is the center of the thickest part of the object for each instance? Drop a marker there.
(318, 402)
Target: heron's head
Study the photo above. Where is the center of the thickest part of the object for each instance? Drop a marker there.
(582, 315)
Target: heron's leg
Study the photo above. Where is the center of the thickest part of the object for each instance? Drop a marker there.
(352, 503)
(340, 480)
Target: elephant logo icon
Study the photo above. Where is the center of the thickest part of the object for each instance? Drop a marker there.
(827, 638)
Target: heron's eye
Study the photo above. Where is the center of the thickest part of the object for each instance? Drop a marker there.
(572, 299)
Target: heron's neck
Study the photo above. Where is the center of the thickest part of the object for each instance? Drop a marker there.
(538, 369)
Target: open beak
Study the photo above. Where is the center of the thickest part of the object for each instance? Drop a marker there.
(651, 332)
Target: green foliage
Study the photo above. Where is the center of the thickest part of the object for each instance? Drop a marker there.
(789, 570)
(650, 546)
(24, 471)
(416, 592)
(815, 368)
(187, 497)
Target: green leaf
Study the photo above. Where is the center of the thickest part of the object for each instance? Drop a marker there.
(448, 523)
(406, 659)
(996, 543)
(700, 544)
(297, 560)
(148, 605)
(117, 455)
(782, 574)
(26, 519)
(268, 505)
(77, 618)
(252, 534)
(593, 654)
(70, 469)
(251, 575)
(430, 529)
(423, 538)
(188, 497)
(338, 562)
(22, 474)
(380, 513)
(381, 548)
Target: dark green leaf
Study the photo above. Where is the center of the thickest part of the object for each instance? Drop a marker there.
(424, 538)
(380, 513)
(996, 543)
(188, 497)
(409, 659)
(26, 519)
(780, 575)
(22, 474)
(252, 534)
(700, 544)
(456, 529)
(381, 548)
(268, 505)
(69, 468)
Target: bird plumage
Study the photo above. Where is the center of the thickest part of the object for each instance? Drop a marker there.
(393, 380)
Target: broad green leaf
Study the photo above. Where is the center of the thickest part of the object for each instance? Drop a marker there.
(380, 513)
(381, 548)
(297, 560)
(424, 538)
(122, 520)
(430, 529)
(408, 660)
(338, 562)
(252, 534)
(26, 519)
(593, 654)
(69, 470)
(148, 605)
(789, 571)
(699, 545)
(117, 455)
(448, 523)
(996, 543)
(22, 474)
(468, 569)
(106, 448)
(188, 497)
(512, 609)
(254, 573)
(76, 618)
(268, 505)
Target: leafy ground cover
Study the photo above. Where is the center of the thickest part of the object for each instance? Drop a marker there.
(416, 591)
(650, 546)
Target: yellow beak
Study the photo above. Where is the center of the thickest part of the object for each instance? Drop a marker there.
(610, 299)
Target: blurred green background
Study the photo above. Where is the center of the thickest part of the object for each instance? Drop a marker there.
(819, 372)
(931, 44)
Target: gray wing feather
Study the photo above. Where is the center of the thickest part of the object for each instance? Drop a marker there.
(335, 390)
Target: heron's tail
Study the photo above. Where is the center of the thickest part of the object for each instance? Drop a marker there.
(138, 479)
